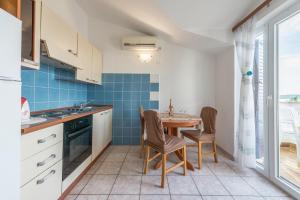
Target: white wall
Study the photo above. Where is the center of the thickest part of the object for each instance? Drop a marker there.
(187, 76)
(225, 99)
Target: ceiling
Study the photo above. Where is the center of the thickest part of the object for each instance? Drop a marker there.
(203, 25)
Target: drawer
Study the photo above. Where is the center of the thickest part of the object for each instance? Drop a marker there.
(37, 141)
(46, 186)
(33, 166)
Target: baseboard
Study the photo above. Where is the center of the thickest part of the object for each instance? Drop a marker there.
(225, 153)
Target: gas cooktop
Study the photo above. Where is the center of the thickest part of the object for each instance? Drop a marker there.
(63, 113)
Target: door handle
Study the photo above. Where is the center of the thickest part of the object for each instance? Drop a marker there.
(42, 180)
(42, 163)
(72, 52)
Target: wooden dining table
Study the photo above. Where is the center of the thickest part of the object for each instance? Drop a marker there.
(173, 123)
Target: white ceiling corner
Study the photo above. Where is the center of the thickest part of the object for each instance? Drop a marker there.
(203, 25)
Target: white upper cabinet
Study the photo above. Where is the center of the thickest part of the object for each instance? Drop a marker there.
(59, 38)
(62, 43)
(96, 75)
(85, 53)
(85, 50)
(90, 59)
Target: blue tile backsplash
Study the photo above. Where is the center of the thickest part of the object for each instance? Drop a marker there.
(126, 92)
(52, 87)
(44, 88)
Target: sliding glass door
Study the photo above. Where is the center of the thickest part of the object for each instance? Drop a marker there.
(284, 108)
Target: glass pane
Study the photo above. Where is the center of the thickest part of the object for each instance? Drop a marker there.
(289, 98)
(259, 97)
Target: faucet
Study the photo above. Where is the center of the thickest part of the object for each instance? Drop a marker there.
(84, 104)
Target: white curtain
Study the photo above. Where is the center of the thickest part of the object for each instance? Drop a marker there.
(245, 138)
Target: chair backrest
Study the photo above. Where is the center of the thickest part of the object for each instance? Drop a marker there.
(154, 128)
(208, 116)
(142, 119)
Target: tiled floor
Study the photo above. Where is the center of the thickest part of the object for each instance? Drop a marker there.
(117, 175)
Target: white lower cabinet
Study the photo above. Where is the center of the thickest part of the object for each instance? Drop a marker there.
(46, 186)
(108, 127)
(41, 164)
(37, 141)
(38, 163)
(102, 131)
(98, 134)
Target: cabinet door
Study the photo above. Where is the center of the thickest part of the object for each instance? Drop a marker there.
(85, 54)
(97, 66)
(98, 134)
(108, 126)
(11, 6)
(46, 186)
(31, 33)
(60, 40)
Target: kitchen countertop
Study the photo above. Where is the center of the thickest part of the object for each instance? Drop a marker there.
(54, 121)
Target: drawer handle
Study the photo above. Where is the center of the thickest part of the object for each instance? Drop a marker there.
(42, 180)
(40, 141)
(40, 164)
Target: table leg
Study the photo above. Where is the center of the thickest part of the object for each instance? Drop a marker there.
(180, 157)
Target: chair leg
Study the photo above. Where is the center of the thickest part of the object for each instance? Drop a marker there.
(163, 174)
(142, 146)
(215, 151)
(199, 155)
(146, 159)
(184, 160)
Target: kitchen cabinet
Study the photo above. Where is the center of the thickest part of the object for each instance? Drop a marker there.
(97, 66)
(29, 12)
(85, 55)
(98, 134)
(39, 140)
(102, 132)
(108, 127)
(41, 164)
(90, 62)
(58, 38)
(46, 186)
(31, 33)
(11, 6)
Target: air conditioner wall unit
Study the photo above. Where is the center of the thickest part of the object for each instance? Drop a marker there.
(140, 43)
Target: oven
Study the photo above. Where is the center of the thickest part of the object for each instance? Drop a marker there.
(77, 143)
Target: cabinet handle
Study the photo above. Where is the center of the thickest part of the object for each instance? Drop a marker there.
(42, 180)
(52, 156)
(72, 52)
(40, 141)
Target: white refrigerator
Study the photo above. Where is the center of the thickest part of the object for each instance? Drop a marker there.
(10, 106)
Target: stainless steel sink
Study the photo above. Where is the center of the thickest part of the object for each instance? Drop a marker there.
(64, 112)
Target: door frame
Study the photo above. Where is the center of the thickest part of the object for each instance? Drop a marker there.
(264, 169)
(273, 100)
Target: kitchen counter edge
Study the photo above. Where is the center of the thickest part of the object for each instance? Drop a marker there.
(35, 127)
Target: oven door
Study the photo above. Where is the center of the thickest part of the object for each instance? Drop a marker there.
(77, 147)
